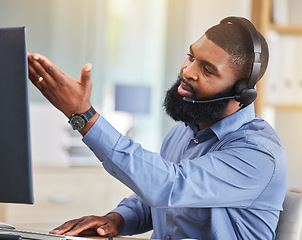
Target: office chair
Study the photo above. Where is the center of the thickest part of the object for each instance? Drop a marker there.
(290, 221)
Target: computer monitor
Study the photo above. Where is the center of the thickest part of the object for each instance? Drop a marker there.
(15, 150)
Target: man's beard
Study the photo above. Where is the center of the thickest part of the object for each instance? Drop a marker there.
(195, 113)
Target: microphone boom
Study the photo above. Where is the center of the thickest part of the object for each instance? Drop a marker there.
(208, 101)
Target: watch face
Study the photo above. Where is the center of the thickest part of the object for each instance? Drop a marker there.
(77, 122)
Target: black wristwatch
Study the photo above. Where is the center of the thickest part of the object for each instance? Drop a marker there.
(78, 121)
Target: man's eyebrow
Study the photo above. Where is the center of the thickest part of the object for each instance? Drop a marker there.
(191, 50)
(211, 65)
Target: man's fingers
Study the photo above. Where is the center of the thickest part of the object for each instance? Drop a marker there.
(85, 75)
(36, 71)
(101, 231)
(42, 66)
(77, 229)
(65, 227)
(107, 230)
(86, 223)
(33, 77)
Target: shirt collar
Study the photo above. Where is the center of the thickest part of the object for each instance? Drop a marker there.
(234, 121)
(228, 124)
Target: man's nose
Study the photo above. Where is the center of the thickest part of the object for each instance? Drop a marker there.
(190, 72)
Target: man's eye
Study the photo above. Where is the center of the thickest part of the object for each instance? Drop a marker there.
(190, 57)
(207, 70)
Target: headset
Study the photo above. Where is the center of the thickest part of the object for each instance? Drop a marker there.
(244, 90)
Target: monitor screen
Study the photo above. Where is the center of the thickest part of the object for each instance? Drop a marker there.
(15, 152)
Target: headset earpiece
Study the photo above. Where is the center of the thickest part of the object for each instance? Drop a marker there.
(243, 94)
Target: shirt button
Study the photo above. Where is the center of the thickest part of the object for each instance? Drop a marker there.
(114, 173)
(196, 140)
(167, 237)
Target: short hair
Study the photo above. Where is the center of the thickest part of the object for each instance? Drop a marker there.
(237, 42)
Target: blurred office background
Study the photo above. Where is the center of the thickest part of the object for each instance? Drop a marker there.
(138, 45)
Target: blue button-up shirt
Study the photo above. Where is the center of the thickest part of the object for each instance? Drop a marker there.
(227, 181)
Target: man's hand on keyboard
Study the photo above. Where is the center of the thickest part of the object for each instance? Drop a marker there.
(109, 225)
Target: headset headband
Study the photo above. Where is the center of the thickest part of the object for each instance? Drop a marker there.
(249, 27)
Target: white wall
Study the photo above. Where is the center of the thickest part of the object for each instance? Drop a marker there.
(289, 128)
(203, 14)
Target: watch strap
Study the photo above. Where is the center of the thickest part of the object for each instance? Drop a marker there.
(89, 114)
